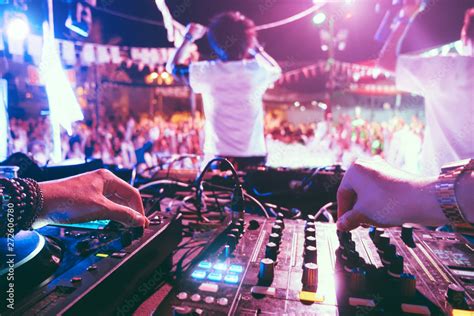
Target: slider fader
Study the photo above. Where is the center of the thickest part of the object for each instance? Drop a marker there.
(302, 267)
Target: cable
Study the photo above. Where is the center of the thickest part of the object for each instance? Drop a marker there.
(266, 26)
(291, 19)
(264, 210)
(245, 194)
(324, 209)
(124, 15)
(222, 160)
(165, 181)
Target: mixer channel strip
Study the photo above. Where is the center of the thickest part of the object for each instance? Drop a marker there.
(302, 267)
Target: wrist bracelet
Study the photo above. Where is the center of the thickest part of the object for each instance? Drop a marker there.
(188, 37)
(446, 195)
(22, 200)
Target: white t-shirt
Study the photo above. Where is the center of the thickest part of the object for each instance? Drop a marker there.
(446, 83)
(232, 95)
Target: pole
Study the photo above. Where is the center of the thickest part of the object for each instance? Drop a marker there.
(48, 34)
(5, 142)
(331, 60)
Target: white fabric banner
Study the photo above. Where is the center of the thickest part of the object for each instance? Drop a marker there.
(35, 43)
(88, 54)
(69, 52)
(3, 120)
(103, 56)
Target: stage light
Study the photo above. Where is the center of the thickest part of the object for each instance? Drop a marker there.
(323, 106)
(78, 27)
(319, 18)
(154, 75)
(17, 27)
(297, 104)
(324, 48)
(341, 46)
(79, 18)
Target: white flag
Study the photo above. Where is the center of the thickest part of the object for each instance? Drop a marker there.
(63, 105)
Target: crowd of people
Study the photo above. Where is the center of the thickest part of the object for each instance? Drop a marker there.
(147, 141)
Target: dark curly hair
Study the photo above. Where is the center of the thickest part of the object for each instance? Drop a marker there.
(231, 35)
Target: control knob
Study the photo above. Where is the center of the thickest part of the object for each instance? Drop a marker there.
(407, 285)
(280, 215)
(266, 273)
(378, 232)
(275, 238)
(456, 296)
(358, 281)
(311, 254)
(276, 229)
(407, 235)
(389, 253)
(271, 251)
(383, 242)
(310, 277)
(310, 232)
(310, 241)
(280, 223)
(232, 241)
(396, 266)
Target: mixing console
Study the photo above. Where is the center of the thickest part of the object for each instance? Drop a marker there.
(298, 267)
(86, 268)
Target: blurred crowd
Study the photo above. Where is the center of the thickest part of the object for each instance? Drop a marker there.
(344, 140)
(146, 141)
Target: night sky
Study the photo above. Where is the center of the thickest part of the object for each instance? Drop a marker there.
(440, 23)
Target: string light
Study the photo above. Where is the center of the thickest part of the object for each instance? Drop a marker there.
(319, 18)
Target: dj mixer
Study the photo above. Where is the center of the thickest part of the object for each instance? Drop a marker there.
(208, 252)
(85, 268)
(301, 267)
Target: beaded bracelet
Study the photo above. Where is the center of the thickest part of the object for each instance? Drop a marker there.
(21, 198)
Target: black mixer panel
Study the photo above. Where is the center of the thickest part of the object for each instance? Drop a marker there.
(82, 270)
(297, 267)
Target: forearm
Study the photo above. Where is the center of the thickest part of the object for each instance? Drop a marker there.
(180, 56)
(260, 54)
(465, 195)
(267, 58)
(390, 51)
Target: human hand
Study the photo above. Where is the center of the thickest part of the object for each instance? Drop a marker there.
(412, 7)
(196, 30)
(91, 196)
(373, 192)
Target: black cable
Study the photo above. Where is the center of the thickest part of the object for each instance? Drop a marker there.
(237, 200)
(122, 15)
(209, 164)
(245, 195)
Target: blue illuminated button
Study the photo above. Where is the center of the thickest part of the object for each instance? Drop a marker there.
(205, 265)
(220, 266)
(215, 276)
(198, 274)
(236, 268)
(231, 278)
